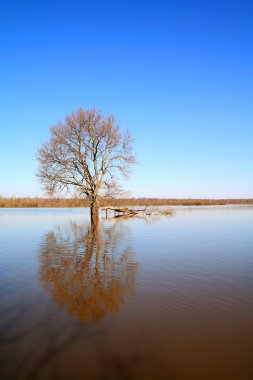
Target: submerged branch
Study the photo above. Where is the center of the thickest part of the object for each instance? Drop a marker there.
(147, 211)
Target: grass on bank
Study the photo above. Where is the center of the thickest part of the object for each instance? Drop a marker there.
(68, 202)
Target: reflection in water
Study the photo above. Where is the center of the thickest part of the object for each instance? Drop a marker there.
(190, 317)
(88, 271)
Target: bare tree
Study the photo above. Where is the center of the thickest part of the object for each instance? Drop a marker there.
(84, 155)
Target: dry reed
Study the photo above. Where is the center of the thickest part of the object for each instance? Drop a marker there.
(28, 202)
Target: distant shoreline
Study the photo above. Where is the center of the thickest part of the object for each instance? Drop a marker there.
(73, 202)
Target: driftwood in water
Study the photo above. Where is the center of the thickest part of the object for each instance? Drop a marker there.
(124, 211)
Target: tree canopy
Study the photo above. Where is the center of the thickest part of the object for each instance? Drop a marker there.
(85, 154)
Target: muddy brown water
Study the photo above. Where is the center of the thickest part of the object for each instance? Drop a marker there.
(155, 298)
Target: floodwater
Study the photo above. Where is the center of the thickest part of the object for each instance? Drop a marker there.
(155, 298)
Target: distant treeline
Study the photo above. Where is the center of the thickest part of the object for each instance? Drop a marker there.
(73, 202)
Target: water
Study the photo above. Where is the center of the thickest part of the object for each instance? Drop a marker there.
(158, 298)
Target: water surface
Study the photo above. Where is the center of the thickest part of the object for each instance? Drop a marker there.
(156, 298)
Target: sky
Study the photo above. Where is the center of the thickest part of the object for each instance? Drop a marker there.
(177, 74)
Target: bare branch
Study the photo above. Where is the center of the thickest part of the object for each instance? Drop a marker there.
(85, 153)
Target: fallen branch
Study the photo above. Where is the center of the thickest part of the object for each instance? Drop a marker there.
(122, 210)
(134, 212)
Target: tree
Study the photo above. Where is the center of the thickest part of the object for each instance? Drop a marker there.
(85, 153)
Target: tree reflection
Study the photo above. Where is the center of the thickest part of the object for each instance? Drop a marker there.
(88, 271)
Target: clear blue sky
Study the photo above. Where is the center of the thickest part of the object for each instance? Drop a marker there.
(178, 74)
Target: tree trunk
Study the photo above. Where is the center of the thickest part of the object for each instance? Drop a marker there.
(94, 211)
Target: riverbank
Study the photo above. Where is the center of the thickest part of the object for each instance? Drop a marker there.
(72, 202)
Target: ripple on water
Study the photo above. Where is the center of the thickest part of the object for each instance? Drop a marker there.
(166, 298)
